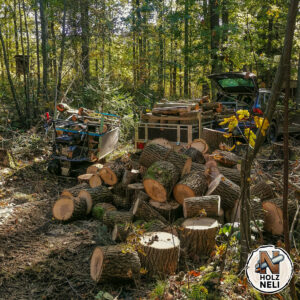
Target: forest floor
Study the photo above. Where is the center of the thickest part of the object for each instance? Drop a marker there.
(41, 258)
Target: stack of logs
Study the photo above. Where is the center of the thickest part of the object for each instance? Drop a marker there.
(178, 197)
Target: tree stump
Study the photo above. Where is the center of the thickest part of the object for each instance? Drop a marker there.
(110, 218)
(112, 173)
(159, 180)
(121, 202)
(213, 138)
(162, 253)
(170, 210)
(154, 152)
(111, 263)
(262, 190)
(100, 209)
(225, 188)
(130, 176)
(211, 204)
(69, 209)
(193, 184)
(198, 236)
(94, 169)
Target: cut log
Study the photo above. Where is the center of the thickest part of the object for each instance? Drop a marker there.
(130, 176)
(216, 106)
(92, 179)
(160, 179)
(194, 154)
(113, 263)
(68, 209)
(96, 195)
(111, 218)
(160, 141)
(226, 158)
(262, 190)
(198, 236)
(154, 153)
(192, 185)
(210, 204)
(232, 174)
(225, 188)
(74, 191)
(169, 210)
(100, 209)
(120, 233)
(173, 110)
(84, 178)
(112, 173)
(211, 170)
(94, 169)
(133, 190)
(143, 211)
(214, 137)
(162, 253)
(197, 168)
(200, 145)
(119, 189)
(121, 202)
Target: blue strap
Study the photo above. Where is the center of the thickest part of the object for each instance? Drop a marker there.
(80, 132)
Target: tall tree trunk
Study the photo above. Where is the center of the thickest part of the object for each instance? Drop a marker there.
(186, 48)
(15, 27)
(297, 96)
(134, 55)
(54, 59)
(225, 21)
(37, 39)
(215, 42)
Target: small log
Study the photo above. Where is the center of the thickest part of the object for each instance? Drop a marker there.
(262, 190)
(226, 158)
(197, 168)
(119, 189)
(162, 253)
(173, 110)
(94, 169)
(160, 141)
(96, 195)
(84, 178)
(170, 210)
(120, 233)
(232, 174)
(74, 191)
(192, 185)
(159, 180)
(194, 154)
(113, 263)
(198, 236)
(68, 209)
(133, 190)
(130, 176)
(110, 218)
(211, 204)
(214, 137)
(121, 202)
(100, 209)
(216, 106)
(112, 173)
(200, 145)
(92, 179)
(143, 211)
(211, 170)
(153, 153)
(225, 188)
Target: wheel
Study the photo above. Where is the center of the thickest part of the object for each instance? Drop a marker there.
(272, 134)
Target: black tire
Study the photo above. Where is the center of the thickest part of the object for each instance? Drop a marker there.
(272, 134)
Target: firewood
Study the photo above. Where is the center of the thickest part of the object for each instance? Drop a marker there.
(194, 154)
(210, 204)
(110, 218)
(193, 184)
(113, 263)
(100, 209)
(67, 209)
(130, 176)
(92, 179)
(213, 138)
(211, 170)
(120, 232)
(160, 179)
(216, 106)
(154, 152)
(232, 174)
(74, 191)
(94, 169)
(162, 253)
(133, 190)
(197, 168)
(226, 158)
(170, 210)
(200, 145)
(225, 188)
(162, 142)
(198, 235)
(112, 173)
(173, 110)
(121, 202)
(262, 190)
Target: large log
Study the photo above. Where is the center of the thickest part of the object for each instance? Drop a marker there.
(110, 218)
(200, 145)
(170, 210)
(232, 174)
(214, 137)
(216, 106)
(112, 173)
(193, 206)
(194, 154)
(130, 176)
(94, 169)
(133, 190)
(197, 167)
(74, 191)
(161, 251)
(225, 188)
(262, 190)
(92, 179)
(113, 263)
(121, 202)
(198, 236)
(154, 152)
(173, 110)
(193, 184)
(160, 179)
(100, 209)
(226, 158)
(69, 209)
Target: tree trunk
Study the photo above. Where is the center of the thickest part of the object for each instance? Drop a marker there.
(37, 41)
(186, 49)
(297, 97)
(54, 58)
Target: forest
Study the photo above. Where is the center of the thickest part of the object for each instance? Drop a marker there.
(128, 170)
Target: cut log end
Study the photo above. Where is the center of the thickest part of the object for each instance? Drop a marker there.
(63, 209)
(96, 264)
(95, 181)
(160, 240)
(108, 176)
(181, 191)
(89, 201)
(200, 224)
(155, 190)
(273, 221)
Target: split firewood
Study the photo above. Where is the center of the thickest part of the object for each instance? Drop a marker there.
(96, 195)
(225, 188)
(226, 158)
(206, 205)
(173, 110)
(94, 169)
(121, 202)
(262, 190)
(197, 236)
(100, 209)
(170, 210)
(68, 209)
(113, 263)
(130, 176)
(194, 154)
(161, 251)
(154, 152)
(193, 184)
(73, 191)
(110, 218)
(200, 145)
(160, 179)
(112, 173)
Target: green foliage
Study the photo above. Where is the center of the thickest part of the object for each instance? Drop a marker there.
(196, 292)
(159, 290)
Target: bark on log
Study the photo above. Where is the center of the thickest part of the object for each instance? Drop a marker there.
(112, 173)
(216, 106)
(130, 177)
(160, 179)
(154, 153)
(193, 184)
(232, 174)
(225, 188)
(200, 145)
(169, 210)
(213, 138)
(100, 209)
(74, 191)
(194, 154)
(121, 202)
(92, 179)
(69, 209)
(173, 110)
(111, 218)
(262, 190)
(160, 141)
(133, 190)
(162, 253)
(226, 158)
(94, 169)
(211, 204)
(120, 233)
(198, 236)
(197, 168)
(111, 263)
